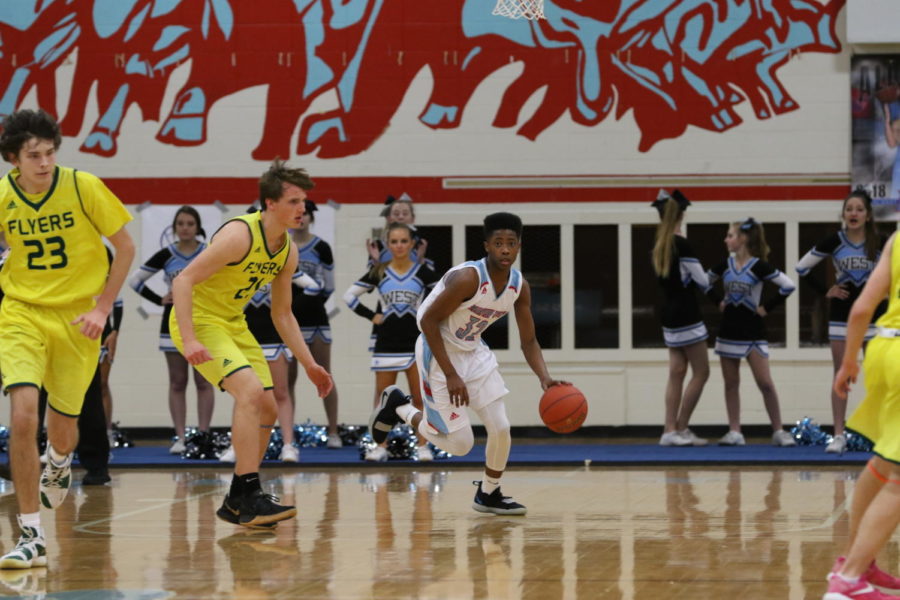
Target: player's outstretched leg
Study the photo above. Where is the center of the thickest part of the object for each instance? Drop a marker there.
(55, 479)
(385, 416)
(30, 551)
(496, 503)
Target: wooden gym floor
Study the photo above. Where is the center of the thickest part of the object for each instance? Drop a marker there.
(661, 533)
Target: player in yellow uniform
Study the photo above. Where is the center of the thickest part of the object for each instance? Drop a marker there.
(875, 511)
(59, 290)
(208, 328)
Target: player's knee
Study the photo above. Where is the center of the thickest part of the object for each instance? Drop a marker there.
(678, 371)
(766, 387)
(460, 442)
(268, 410)
(23, 421)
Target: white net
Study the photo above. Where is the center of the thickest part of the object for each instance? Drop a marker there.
(520, 9)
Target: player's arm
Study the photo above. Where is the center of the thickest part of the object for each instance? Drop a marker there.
(93, 322)
(531, 349)
(877, 287)
(229, 245)
(288, 329)
(459, 287)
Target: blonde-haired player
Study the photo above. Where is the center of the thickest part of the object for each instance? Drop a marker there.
(208, 327)
(59, 290)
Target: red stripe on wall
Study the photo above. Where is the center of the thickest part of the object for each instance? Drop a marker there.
(373, 190)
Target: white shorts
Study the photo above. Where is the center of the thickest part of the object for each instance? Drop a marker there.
(838, 331)
(385, 361)
(477, 368)
(685, 336)
(273, 351)
(741, 348)
(166, 344)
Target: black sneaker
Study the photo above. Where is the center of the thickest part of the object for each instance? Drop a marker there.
(385, 416)
(98, 477)
(232, 515)
(258, 509)
(496, 503)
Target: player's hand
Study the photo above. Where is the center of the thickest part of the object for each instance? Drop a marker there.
(845, 376)
(456, 387)
(167, 299)
(92, 322)
(761, 311)
(549, 383)
(378, 319)
(372, 249)
(110, 344)
(837, 291)
(421, 249)
(320, 378)
(196, 353)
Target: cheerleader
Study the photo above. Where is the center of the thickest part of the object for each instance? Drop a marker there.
(678, 271)
(854, 250)
(742, 333)
(402, 284)
(308, 305)
(171, 260)
(258, 313)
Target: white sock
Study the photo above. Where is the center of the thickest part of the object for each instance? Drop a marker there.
(848, 579)
(489, 484)
(57, 458)
(407, 412)
(30, 519)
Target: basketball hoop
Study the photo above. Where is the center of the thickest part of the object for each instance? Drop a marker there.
(520, 9)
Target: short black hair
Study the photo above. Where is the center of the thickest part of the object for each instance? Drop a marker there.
(22, 125)
(502, 220)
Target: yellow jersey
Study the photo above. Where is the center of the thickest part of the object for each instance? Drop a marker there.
(228, 290)
(891, 318)
(57, 255)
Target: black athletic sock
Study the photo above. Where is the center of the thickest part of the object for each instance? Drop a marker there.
(237, 487)
(249, 483)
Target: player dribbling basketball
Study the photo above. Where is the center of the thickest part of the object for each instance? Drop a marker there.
(458, 369)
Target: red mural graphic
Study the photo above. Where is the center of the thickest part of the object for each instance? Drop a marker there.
(673, 64)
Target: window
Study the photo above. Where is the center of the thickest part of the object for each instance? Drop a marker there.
(540, 267)
(813, 305)
(596, 286)
(440, 245)
(645, 293)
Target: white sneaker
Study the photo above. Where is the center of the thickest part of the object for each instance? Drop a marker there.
(289, 454)
(334, 441)
(55, 482)
(783, 439)
(228, 455)
(43, 458)
(732, 438)
(837, 445)
(177, 446)
(674, 438)
(692, 437)
(377, 454)
(425, 454)
(30, 551)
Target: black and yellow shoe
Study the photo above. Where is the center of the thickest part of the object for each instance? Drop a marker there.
(260, 509)
(228, 513)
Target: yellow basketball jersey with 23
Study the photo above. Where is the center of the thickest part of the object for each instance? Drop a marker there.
(228, 290)
(57, 255)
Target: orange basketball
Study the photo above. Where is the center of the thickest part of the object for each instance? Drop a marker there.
(563, 408)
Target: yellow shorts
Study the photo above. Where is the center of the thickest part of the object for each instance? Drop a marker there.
(39, 347)
(878, 416)
(231, 346)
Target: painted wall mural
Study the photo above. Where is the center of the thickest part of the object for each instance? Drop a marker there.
(674, 63)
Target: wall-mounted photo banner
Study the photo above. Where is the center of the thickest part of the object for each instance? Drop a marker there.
(875, 106)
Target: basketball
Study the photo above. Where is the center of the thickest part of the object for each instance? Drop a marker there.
(563, 408)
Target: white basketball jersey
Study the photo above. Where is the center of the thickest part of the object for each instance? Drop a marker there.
(462, 329)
